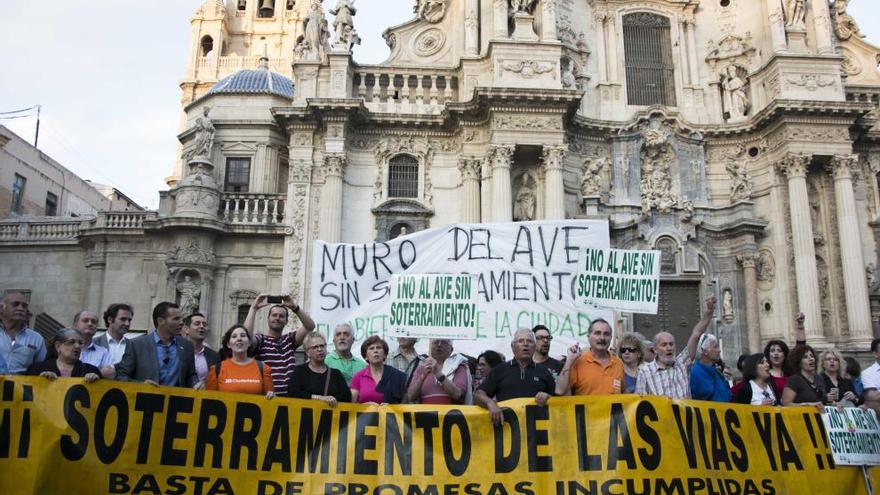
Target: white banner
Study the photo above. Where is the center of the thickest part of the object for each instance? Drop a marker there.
(440, 306)
(619, 279)
(525, 273)
(854, 435)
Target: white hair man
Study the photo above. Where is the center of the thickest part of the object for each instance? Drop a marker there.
(669, 374)
(706, 382)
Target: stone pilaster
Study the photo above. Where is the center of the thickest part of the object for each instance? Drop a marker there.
(501, 156)
(331, 197)
(750, 276)
(858, 309)
(777, 25)
(548, 20)
(469, 168)
(486, 190)
(554, 192)
(472, 27)
(499, 19)
(822, 23)
(794, 166)
(599, 20)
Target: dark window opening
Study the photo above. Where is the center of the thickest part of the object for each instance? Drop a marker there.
(243, 310)
(403, 177)
(51, 205)
(238, 174)
(648, 53)
(207, 46)
(267, 9)
(18, 193)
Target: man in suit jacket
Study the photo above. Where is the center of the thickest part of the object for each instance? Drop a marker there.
(161, 357)
(195, 328)
(118, 320)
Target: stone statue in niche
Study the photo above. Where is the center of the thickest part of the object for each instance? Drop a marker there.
(844, 24)
(736, 99)
(667, 248)
(741, 182)
(795, 13)
(431, 11)
(871, 276)
(522, 6)
(190, 293)
(569, 79)
(343, 23)
(242, 4)
(727, 306)
(525, 202)
(765, 266)
(592, 170)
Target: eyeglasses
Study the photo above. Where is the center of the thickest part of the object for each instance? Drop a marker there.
(74, 342)
(544, 337)
(628, 349)
(317, 346)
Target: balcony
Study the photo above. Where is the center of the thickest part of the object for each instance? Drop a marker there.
(401, 90)
(252, 208)
(41, 230)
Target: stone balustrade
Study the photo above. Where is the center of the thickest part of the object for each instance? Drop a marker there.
(122, 219)
(252, 208)
(40, 230)
(401, 90)
(218, 67)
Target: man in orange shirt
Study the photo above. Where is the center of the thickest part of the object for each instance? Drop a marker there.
(595, 372)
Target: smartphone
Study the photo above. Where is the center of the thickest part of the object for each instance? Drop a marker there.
(273, 299)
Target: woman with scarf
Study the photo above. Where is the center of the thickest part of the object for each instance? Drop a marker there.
(442, 378)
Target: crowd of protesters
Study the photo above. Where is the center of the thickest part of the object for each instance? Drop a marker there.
(254, 361)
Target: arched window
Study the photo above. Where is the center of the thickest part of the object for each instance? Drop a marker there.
(403, 177)
(207, 45)
(648, 52)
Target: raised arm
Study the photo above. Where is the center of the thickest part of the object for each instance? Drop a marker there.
(701, 326)
(800, 333)
(563, 381)
(308, 324)
(258, 304)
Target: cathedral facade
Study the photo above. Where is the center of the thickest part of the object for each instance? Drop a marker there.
(737, 137)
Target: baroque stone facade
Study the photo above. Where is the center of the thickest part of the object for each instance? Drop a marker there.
(749, 159)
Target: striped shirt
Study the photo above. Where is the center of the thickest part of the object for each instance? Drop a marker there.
(672, 381)
(279, 354)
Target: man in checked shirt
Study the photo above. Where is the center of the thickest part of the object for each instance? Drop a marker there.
(669, 374)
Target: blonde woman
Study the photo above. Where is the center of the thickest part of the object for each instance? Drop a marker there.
(631, 352)
(837, 388)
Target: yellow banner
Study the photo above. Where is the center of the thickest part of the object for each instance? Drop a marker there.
(116, 438)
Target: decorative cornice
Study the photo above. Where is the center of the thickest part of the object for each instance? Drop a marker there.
(794, 165)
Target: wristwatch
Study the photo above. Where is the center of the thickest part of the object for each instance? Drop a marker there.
(441, 379)
(295, 309)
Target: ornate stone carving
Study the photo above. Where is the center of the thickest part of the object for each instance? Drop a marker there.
(794, 165)
(387, 148)
(501, 155)
(553, 157)
(592, 174)
(431, 11)
(343, 24)
(741, 182)
(747, 260)
(297, 235)
(204, 141)
(844, 24)
(850, 63)
(727, 306)
(657, 156)
(429, 42)
(810, 82)
(731, 49)
(528, 69)
(469, 168)
(334, 164)
(301, 171)
(313, 43)
(524, 122)
(795, 13)
(843, 166)
(765, 267)
(191, 254)
(521, 6)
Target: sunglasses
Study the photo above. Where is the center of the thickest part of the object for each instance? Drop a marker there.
(628, 349)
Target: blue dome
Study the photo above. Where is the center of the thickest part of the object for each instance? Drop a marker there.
(254, 81)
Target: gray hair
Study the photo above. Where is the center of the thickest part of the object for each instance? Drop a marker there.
(343, 325)
(527, 331)
(66, 334)
(706, 341)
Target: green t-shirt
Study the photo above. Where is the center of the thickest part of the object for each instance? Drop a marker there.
(348, 367)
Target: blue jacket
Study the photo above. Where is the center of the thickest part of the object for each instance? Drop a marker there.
(708, 384)
(4, 370)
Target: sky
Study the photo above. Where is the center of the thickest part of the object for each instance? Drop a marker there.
(106, 75)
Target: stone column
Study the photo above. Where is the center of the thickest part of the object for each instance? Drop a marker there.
(685, 54)
(858, 310)
(599, 17)
(692, 51)
(777, 25)
(794, 166)
(612, 49)
(554, 189)
(502, 200)
(822, 23)
(472, 27)
(486, 189)
(331, 198)
(548, 20)
(499, 19)
(750, 276)
(95, 292)
(219, 308)
(469, 168)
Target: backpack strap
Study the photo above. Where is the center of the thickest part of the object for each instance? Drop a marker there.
(217, 369)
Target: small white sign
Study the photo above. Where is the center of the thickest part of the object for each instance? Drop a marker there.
(619, 279)
(853, 435)
(438, 306)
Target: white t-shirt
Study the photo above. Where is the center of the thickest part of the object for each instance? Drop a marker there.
(871, 376)
(759, 394)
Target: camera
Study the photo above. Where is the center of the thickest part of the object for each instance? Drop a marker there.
(274, 299)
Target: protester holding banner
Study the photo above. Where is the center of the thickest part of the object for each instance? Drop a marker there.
(517, 378)
(595, 372)
(707, 383)
(442, 378)
(276, 348)
(20, 346)
(378, 383)
(486, 361)
(68, 344)
(341, 358)
(839, 389)
(631, 353)
(669, 375)
(758, 388)
(314, 379)
(803, 388)
(238, 372)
